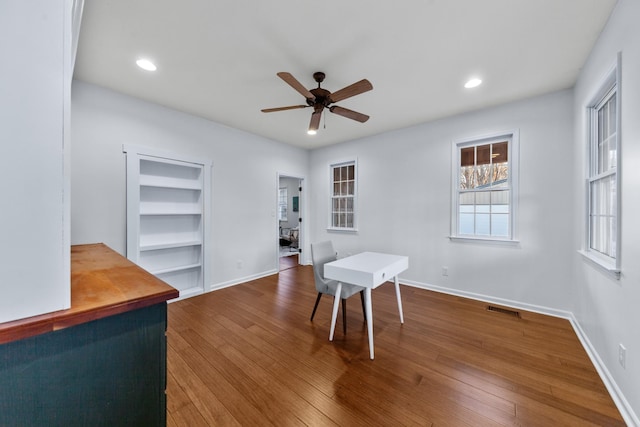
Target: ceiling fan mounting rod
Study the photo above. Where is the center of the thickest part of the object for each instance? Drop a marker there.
(319, 77)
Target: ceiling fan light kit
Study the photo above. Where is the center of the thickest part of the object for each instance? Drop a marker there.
(320, 98)
(471, 83)
(146, 64)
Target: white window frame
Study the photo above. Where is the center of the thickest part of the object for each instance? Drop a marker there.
(608, 87)
(513, 138)
(354, 196)
(283, 204)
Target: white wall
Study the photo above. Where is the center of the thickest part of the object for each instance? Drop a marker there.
(404, 203)
(35, 41)
(608, 309)
(244, 229)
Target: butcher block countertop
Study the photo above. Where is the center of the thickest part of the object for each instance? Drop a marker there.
(103, 283)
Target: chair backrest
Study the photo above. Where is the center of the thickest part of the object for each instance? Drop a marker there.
(321, 253)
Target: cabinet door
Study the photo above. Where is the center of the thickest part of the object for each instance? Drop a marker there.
(167, 206)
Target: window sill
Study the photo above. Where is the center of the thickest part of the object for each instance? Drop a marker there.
(342, 230)
(492, 241)
(605, 265)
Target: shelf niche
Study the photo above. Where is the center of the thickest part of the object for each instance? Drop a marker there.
(167, 202)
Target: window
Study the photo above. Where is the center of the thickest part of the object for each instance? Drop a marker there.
(484, 187)
(343, 196)
(282, 204)
(603, 190)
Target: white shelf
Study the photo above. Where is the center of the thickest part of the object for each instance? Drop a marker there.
(165, 229)
(169, 213)
(169, 245)
(174, 269)
(175, 183)
(183, 279)
(170, 174)
(157, 200)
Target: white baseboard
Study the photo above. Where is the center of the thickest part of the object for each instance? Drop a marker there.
(227, 284)
(620, 401)
(489, 299)
(244, 279)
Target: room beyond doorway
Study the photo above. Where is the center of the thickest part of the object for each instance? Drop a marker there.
(289, 220)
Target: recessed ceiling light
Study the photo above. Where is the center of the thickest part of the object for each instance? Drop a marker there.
(472, 83)
(311, 132)
(145, 64)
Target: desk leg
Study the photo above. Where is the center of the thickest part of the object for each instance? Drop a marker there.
(367, 303)
(395, 280)
(334, 315)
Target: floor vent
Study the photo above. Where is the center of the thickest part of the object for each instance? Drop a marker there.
(503, 311)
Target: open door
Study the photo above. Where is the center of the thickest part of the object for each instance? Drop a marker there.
(289, 221)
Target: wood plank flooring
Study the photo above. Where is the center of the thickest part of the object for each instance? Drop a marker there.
(249, 356)
(287, 262)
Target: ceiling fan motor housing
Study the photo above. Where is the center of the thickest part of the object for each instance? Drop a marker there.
(322, 98)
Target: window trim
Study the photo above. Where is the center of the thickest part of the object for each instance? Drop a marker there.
(514, 171)
(332, 166)
(608, 85)
(284, 205)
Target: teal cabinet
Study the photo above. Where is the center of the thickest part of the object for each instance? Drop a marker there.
(107, 372)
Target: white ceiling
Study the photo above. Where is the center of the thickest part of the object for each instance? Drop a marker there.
(219, 59)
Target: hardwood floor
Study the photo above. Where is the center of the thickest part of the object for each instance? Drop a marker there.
(287, 262)
(248, 355)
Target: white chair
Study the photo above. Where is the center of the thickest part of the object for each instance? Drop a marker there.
(322, 253)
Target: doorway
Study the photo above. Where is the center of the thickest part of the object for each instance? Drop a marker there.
(289, 221)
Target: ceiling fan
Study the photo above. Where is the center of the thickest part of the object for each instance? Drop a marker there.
(320, 99)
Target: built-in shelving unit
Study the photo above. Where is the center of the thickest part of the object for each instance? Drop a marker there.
(166, 217)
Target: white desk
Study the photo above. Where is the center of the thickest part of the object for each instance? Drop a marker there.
(368, 269)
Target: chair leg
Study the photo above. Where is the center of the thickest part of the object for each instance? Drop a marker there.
(364, 311)
(344, 315)
(315, 307)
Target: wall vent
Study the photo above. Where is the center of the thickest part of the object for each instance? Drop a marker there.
(506, 311)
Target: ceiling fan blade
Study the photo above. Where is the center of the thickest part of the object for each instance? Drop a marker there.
(315, 120)
(352, 90)
(350, 114)
(291, 81)
(292, 107)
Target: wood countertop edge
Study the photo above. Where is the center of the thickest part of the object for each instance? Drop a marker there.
(57, 320)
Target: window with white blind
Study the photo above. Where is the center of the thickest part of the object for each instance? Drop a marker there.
(603, 188)
(343, 196)
(485, 187)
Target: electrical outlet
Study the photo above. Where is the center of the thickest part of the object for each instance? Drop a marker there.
(239, 263)
(445, 271)
(622, 356)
